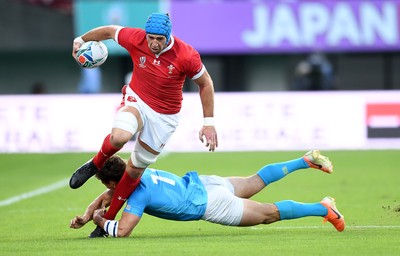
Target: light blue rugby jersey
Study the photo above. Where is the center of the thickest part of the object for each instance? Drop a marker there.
(168, 196)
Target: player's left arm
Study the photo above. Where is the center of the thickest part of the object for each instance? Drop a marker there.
(121, 228)
(101, 201)
(206, 91)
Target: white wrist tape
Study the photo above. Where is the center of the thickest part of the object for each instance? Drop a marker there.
(79, 40)
(208, 121)
(111, 227)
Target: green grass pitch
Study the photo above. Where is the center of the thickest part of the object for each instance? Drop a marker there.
(364, 183)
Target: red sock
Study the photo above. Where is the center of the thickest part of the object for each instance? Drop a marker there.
(123, 190)
(106, 151)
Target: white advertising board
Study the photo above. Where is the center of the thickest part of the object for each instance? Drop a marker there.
(250, 121)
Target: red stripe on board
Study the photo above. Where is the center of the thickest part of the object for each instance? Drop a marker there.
(383, 109)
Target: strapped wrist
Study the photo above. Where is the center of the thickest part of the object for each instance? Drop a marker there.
(79, 40)
(208, 121)
(111, 227)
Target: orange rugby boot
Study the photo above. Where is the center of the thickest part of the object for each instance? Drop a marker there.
(317, 161)
(333, 216)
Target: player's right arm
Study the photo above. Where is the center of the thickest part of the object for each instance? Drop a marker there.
(206, 91)
(96, 34)
(121, 228)
(137, 202)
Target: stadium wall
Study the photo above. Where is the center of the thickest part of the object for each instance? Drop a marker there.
(36, 48)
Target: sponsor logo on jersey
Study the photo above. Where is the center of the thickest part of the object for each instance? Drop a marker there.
(156, 62)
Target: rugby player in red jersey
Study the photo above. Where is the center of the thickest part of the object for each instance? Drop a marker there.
(151, 102)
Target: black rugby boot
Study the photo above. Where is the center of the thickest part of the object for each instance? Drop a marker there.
(98, 232)
(82, 174)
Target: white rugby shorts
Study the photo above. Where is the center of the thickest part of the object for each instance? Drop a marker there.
(157, 128)
(223, 206)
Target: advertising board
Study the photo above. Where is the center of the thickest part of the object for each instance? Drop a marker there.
(259, 121)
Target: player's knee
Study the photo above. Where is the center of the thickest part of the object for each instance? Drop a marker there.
(271, 213)
(120, 137)
(141, 158)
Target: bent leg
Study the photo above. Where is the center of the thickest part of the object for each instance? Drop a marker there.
(246, 187)
(126, 123)
(125, 126)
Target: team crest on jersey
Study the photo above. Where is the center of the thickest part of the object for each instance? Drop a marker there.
(142, 61)
(170, 68)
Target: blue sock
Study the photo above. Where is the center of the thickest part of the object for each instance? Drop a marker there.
(273, 172)
(289, 209)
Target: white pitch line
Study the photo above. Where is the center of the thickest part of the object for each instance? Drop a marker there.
(373, 226)
(321, 227)
(43, 190)
(37, 192)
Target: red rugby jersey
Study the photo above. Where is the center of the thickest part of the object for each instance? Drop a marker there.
(158, 79)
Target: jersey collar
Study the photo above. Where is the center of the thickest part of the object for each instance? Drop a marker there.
(168, 47)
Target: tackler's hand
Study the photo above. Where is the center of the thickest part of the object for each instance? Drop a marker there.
(99, 213)
(79, 221)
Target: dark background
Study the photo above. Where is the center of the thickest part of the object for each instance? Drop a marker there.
(35, 57)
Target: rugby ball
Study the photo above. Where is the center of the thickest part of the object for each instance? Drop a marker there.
(92, 54)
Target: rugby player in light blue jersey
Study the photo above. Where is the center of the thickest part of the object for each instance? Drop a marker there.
(201, 197)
